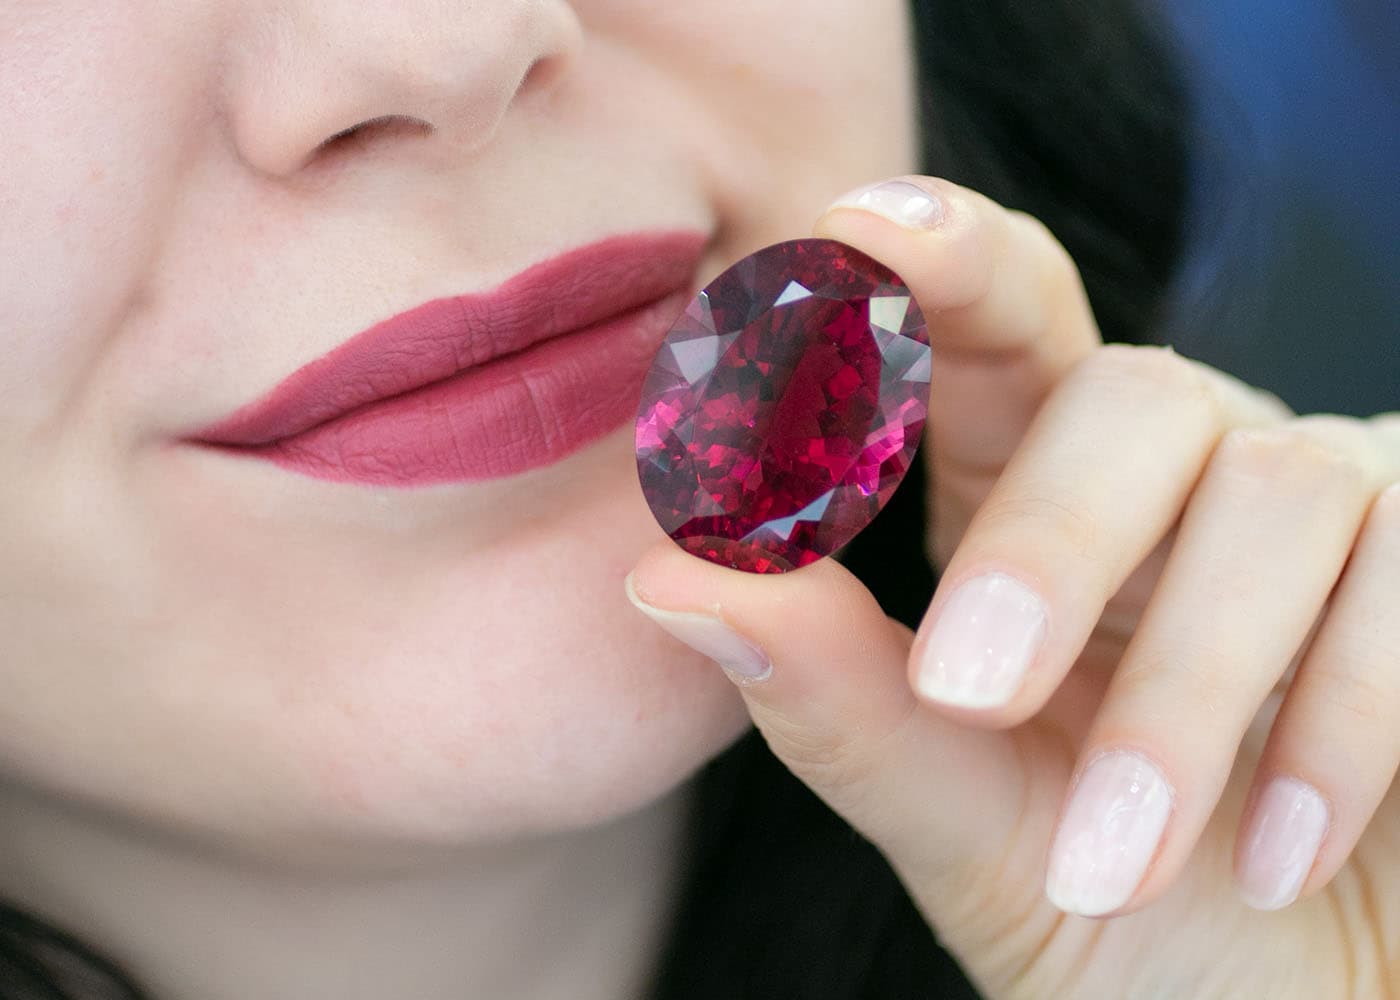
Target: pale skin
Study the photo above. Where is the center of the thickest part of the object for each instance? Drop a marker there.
(268, 736)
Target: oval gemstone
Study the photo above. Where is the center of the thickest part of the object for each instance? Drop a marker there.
(784, 406)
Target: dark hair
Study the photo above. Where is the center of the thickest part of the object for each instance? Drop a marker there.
(1070, 110)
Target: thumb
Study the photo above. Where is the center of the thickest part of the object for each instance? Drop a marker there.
(958, 811)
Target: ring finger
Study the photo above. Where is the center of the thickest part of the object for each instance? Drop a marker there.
(1262, 543)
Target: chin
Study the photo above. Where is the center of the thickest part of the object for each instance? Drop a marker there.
(348, 681)
(570, 717)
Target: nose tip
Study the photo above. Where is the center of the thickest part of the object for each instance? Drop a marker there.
(339, 79)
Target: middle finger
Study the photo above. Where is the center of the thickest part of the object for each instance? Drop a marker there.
(1098, 481)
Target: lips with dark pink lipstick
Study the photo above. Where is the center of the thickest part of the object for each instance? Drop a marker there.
(483, 385)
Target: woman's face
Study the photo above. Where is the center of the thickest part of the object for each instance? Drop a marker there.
(314, 655)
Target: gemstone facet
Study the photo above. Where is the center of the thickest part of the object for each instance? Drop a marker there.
(784, 406)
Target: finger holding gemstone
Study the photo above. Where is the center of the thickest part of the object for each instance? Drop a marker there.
(784, 406)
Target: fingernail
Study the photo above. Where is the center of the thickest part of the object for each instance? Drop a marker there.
(1289, 821)
(743, 661)
(1108, 835)
(982, 643)
(899, 201)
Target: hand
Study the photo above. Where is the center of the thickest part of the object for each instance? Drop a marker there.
(1148, 568)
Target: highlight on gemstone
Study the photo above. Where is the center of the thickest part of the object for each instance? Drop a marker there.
(784, 406)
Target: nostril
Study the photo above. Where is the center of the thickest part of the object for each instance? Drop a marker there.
(541, 75)
(373, 130)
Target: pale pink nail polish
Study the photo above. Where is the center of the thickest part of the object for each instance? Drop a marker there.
(1285, 832)
(901, 202)
(982, 643)
(743, 661)
(1109, 834)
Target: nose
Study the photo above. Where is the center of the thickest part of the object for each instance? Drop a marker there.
(432, 78)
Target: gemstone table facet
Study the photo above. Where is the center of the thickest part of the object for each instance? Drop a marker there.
(784, 406)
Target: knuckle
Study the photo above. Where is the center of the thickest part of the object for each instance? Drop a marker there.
(1339, 427)
(1387, 425)
(1384, 519)
(832, 761)
(1318, 454)
(1140, 372)
(1268, 405)
(1202, 680)
(1055, 258)
(1352, 440)
(1351, 691)
(1038, 515)
(1059, 285)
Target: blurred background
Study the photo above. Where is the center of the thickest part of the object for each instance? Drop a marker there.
(1296, 212)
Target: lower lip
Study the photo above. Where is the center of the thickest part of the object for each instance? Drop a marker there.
(509, 415)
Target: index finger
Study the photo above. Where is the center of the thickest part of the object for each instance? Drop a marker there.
(1007, 311)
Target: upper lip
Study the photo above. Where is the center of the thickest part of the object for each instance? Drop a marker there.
(443, 337)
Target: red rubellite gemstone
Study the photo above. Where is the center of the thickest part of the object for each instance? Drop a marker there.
(784, 406)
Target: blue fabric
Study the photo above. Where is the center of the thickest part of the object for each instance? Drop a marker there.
(1294, 281)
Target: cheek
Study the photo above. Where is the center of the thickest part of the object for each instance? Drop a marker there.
(807, 103)
(94, 124)
(846, 75)
(91, 121)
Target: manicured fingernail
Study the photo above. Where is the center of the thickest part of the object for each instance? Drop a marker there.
(982, 643)
(899, 201)
(1108, 835)
(1289, 821)
(743, 661)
